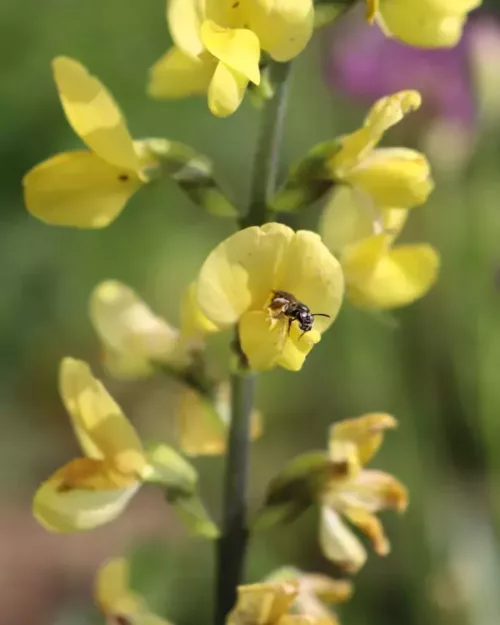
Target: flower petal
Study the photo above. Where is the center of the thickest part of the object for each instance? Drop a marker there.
(194, 324)
(262, 604)
(386, 112)
(61, 505)
(239, 273)
(310, 272)
(203, 426)
(93, 114)
(130, 329)
(338, 543)
(296, 348)
(99, 423)
(394, 177)
(263, 341)
(112, 588)
(184, 19)
(360, 260)
(283, 27)
(226, 91)
(348, 217)
(393, 221)
(78, 189)
(366, 432)
(237, 48)
(325, 588)
(179, 75)
(398, 278)
(370, 525)
(428, 23)
(375, 490)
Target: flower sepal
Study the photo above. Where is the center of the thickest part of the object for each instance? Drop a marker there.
(294, 489)
(168, 468)
(192, 171)
(327, 11)
(191, 511)
(308, 180)
(165, 467)
(264, 91)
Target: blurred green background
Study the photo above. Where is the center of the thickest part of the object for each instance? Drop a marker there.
(433, 365)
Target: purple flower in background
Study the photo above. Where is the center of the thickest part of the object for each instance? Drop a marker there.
(365, 64)
(460, 86)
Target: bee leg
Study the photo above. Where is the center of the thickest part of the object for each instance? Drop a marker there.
(290, 321)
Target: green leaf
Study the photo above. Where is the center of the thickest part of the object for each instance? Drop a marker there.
(308, 180)
(192, 171)
(170, 469)
(296, 487)
(193, 514)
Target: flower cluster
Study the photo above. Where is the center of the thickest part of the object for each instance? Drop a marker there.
(277, 290)
(219, 44)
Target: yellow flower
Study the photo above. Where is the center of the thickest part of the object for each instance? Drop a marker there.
(95, 489)
(316, 593)
(135, 338)
(267, 603)
(117, 601)
(136, 341)
(203, 422)
(422, 23)
(218, 43)
(355, 492)
(389, 176)
(239, 281)
(86, 188)
(378, 274)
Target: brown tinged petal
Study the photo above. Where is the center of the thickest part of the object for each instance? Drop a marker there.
(366, 432)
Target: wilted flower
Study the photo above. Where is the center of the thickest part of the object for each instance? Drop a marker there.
(340, 484)
(87, 188)
(357, 493)
(120, 604)
(316, 593)
(267, 603)
(95, 489)
(218, 45)
(378, 274)
(424, 23)
(237, 284)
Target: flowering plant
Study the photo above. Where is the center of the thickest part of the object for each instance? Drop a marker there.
(273, 289)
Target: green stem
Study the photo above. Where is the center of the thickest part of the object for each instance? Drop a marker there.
(232, 545)
(266, 161)
(233, 541)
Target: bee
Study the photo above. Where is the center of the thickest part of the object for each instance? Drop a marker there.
(285, 304)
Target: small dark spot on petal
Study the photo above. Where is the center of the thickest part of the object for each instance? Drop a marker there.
(123, 177)
(236, 5)
(64, 487)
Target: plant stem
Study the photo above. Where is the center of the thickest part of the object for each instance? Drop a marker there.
(266, 161)
(233, 542)
(231, 548)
